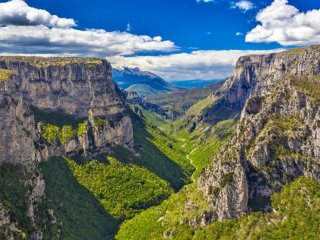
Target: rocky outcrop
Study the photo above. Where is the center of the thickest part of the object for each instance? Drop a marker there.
(277, 137)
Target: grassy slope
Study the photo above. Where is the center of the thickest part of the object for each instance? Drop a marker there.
(177, 100)
(206, 142)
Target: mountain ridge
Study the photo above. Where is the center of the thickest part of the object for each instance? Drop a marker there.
(143, 82)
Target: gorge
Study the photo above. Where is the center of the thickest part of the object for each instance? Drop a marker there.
(80, 161)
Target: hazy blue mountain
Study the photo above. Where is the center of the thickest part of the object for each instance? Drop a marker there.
(193, 83)
(143, 82)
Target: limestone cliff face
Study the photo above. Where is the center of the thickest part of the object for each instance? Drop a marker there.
(278, 134)
(17, 128)
(75, 91)
(79, 87)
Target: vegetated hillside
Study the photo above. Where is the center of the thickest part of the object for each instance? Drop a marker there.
(179, 101)
(142, 82)
(112, 190)
(159, 151)
(59, 115)
(266, 177)
(74, 212)
(295, 216)
(122, 189)
(178, 216)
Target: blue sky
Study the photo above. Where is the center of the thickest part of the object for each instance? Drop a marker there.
(188, 23)
(177, 39)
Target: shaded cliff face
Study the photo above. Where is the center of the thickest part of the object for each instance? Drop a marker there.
(81, 88)
(278, 134)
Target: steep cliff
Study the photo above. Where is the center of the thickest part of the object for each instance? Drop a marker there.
(278, 135)
(51, 107)
(80, 89)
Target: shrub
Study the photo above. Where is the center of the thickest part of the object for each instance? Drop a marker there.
(82, 129)
(50, 133)
(5, 74)
(67, 133)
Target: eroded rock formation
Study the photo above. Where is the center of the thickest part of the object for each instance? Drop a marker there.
(278, 134)
(80, 88)
(38, 91)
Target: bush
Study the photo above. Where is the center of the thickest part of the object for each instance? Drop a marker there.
(67, 133)
(82, 129)
(50, 133)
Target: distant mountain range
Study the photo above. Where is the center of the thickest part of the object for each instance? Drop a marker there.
(146, 83)
(197, 83)
(143, 82)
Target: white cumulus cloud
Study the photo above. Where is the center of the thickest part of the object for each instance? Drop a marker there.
(283, 23)
(17, 12)
(243, 5)
(27, 30)
(91, 42)
(212, 64)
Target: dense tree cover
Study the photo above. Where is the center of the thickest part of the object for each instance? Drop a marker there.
(169, 145)
(79, 215)
(296, 215)
(123, 189)
(82, 128)
(50, 133)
